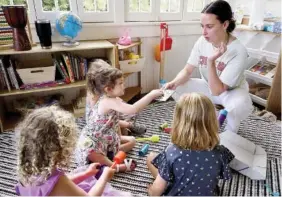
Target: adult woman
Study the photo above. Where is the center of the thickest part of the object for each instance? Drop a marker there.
(221, 59)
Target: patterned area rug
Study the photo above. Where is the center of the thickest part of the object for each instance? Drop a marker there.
(259, 131)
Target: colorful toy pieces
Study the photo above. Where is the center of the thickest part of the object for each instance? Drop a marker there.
(118, 159)
(153, 138)
(164, 127)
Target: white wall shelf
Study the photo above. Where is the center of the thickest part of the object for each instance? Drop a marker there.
(258, 77)
(260, 45)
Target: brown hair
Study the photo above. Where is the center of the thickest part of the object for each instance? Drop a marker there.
(101, 75)
(47, 138)
(195, 125)
(223, 11)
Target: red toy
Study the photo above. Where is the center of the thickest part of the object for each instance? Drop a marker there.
(167, 130)
(166, 40)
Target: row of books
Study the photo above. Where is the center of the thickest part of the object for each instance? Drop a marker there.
(265, 69)
(70, 67)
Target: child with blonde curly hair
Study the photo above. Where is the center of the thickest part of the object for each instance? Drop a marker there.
(47, 138)
(194, 162)
(101, 138)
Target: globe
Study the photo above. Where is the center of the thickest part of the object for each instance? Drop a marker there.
(69, 25)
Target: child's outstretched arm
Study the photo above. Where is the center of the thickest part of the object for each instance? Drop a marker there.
(158, 187)
(120, 106)
(91, 171)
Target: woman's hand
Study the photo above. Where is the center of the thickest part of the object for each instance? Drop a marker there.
(93, 169)
(170, 85)
(219, 52)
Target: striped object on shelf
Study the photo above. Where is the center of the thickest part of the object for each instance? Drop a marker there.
(6, 32)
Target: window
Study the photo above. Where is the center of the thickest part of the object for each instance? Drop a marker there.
(87, 10)
(114, 10)
(170, 10)
(193, 9)
(96, 10)
(153, 10)
(140, 10)
(50, 9)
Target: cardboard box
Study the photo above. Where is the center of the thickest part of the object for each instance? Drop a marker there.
(250, 159)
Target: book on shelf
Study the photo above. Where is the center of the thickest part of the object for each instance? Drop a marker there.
(9, 77)
(264, 68)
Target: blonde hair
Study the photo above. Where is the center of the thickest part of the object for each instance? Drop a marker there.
(195, 125)
(47, 138)
(100, 75)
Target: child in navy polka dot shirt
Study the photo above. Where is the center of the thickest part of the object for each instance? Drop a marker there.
(194, 162)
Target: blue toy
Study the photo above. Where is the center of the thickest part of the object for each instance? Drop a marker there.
(144, 150)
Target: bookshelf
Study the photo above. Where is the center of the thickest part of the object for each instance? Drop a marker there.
(37, 56)
(264, 47)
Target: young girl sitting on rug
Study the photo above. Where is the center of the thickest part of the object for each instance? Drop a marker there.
(193, 164)
(47, 138)
(101, 138)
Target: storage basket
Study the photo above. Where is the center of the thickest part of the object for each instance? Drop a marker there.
(37, 74)
(131, 66)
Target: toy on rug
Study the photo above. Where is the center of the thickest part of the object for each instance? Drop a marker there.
(118, 159)
(153, 138)
(144, 150)
(165, 128)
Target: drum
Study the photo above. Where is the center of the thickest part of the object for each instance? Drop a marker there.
(16, 16)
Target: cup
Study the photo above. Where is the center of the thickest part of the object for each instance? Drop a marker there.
(44, 33)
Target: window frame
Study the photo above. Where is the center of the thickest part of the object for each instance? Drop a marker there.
(137, 16)
(177, 16)
(95, 16)
(118, 12)
(192, 15)
(52, 15)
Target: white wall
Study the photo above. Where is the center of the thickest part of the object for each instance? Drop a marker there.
(175, 59)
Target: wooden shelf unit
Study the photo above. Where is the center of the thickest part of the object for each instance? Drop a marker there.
(262, 44)
(76, 84)
(32, 58)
